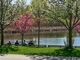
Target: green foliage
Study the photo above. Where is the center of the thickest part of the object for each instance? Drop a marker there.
(66, 12)
(7, 48)
(10, 11)
(38, 11)
(38, 8)
(50, 51)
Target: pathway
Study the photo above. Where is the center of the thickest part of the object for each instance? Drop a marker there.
(34, 57)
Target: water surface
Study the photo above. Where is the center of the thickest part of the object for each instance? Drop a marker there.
(45, 39)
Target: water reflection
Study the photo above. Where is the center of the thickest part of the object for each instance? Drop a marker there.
(76, 41)
(52, 41)
(45, 39)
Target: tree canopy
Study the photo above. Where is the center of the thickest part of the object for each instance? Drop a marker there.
(8, 12)
(66, 12)
(23, 24)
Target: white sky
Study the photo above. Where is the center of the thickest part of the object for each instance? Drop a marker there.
(28, 2)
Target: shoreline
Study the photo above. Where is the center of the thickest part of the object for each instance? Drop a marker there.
(42, 30)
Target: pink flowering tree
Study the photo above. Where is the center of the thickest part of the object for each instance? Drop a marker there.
(77, 28)
(23, 24)
(76, 23)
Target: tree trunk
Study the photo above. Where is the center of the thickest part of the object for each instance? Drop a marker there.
(38, 33)
(22, 38)
(70, 39)
(70, 46)
(1, 22)
(2, 35)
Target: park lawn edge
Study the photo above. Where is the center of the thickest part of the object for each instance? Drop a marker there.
(47, 51)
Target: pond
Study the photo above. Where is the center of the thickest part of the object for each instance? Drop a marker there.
(45, 39)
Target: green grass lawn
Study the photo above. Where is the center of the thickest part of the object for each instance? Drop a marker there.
(51, 51)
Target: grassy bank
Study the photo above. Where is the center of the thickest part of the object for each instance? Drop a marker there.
(51, 51)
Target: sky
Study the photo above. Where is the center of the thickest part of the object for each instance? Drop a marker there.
(28, 2)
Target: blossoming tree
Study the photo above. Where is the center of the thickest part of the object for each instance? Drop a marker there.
(77, 28)
(23, 24)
